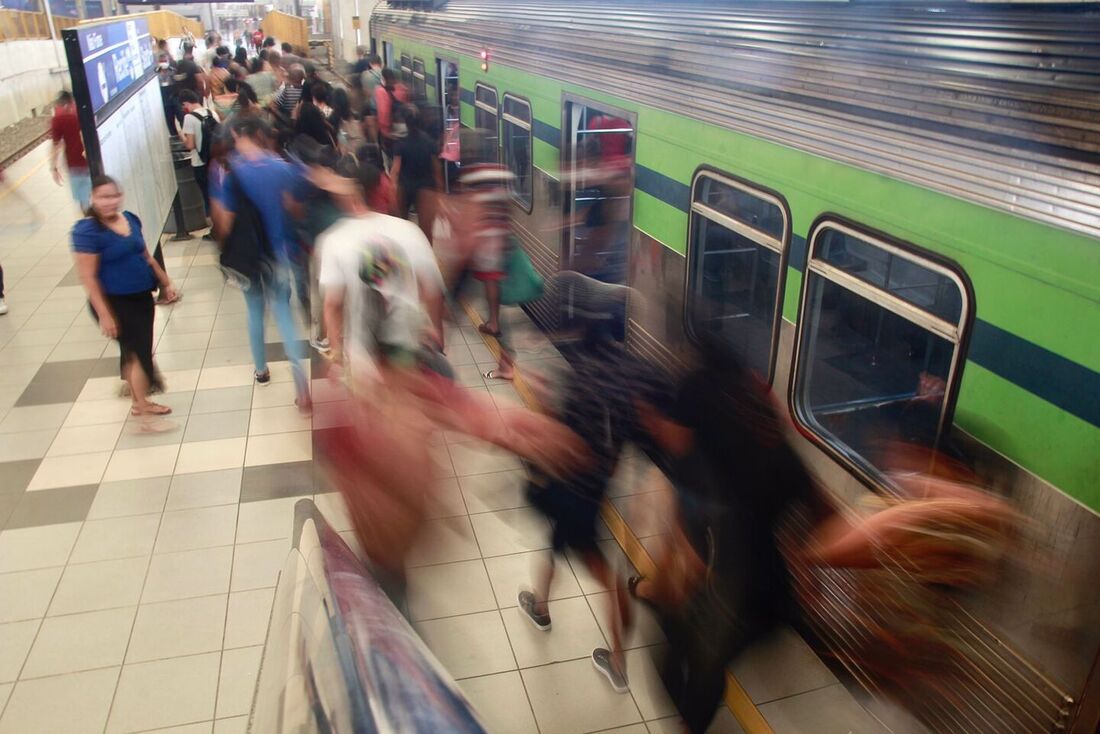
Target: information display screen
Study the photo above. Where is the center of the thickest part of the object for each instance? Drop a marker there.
(116, 56)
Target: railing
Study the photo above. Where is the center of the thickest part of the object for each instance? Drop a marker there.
(21, 24)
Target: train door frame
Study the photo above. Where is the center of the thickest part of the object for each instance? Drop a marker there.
(568, 158)
(388, 59)
(450, 170)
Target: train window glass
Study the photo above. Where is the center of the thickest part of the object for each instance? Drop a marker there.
(908, 280)
(387, 51)
(486, 117)
(420, 79)
(516, 131)
(876, 364)
(736, 267)
(406, 65)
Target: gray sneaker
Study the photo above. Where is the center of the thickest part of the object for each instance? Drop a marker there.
(527, 606)
(601, 658)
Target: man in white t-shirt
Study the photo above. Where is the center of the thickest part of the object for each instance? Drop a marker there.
(194, 115)
(383, 291)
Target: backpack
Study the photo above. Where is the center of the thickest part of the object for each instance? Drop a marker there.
(398, 128)
(246, 255)
(209, 130)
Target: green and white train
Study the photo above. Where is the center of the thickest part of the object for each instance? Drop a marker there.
(871, 201)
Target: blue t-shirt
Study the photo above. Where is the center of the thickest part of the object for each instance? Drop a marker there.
(264, 181)
(123, 265)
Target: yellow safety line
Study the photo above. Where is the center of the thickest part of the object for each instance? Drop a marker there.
(12, 187)
(738, 701)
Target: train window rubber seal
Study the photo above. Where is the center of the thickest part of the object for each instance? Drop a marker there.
(782, 246)
(868, 474)
(527, 205)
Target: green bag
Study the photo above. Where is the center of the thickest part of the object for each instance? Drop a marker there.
(522, 283)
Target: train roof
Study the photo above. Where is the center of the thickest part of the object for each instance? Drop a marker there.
(997, 104)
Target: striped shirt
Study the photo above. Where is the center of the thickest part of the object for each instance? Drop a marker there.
(287, 98)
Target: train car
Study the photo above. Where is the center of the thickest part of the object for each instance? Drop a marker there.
(873, 202)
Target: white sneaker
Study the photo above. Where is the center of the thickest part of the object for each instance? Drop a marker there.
(3, 307)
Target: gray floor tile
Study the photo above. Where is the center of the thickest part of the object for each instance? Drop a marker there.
(204, 489)
(52, 506)
(9, 499)
(211, 426)
(133, 437)
(16, 475)
(107, 366)
(275, 481)
(275, 352)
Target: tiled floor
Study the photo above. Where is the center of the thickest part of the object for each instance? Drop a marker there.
(137, 570)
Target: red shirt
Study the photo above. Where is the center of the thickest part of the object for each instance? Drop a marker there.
(257, 38)
(66, 126)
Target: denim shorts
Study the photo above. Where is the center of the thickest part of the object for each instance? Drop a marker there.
(80, 182)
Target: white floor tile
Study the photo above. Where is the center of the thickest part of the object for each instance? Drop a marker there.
(449, 589)
(143, 463)
(646, 686)
(26, 445)
(102, 585)
(75, 642)
(27, 594)
(94, 412)
(494, 491)
(481, 458)
(501, 702)
(781, 666)
(201, 527)
(229, 376)
(593, 705)
(274, 395)
(829, 710)
(510, 573)
(445, 499)
(174, 628)
(335, 510)
(85, 439)
(723, 723)
(34, 704)
(220, 400)
(15, 642)
(257, 565)
(202, 456)
(510, 531)
(266, 520)
(119, 537)
(247, 620)
(26, 548)
(240, 668)
(473, 644)
(574, 633)
(444, 541)
(69, 471)
(165, 693)
(279, 448)
(188, 574)
(232, 725)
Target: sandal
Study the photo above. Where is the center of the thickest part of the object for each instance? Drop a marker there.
(484, 329)
(151, 409)
(632, 586)
(495, 375)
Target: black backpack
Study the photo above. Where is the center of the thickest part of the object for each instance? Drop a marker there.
(209, 130)
(246, 256)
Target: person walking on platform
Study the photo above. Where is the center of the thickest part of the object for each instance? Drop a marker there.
(264, 185)
(65, 134)
(119, 275)
(595, 403)
(197, 133)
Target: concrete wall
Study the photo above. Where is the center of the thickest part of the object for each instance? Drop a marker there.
(31, 75)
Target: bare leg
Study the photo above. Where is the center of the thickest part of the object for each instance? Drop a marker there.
(138, 382)
(492, 295)
(619, 614)
(542, 586)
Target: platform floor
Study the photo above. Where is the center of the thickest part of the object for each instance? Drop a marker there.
(137, 570)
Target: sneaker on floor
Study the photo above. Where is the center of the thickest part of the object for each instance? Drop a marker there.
(321, 345)
(264, 377)
(3, 307)
(527, 606)
(305, 405)
(601, 658)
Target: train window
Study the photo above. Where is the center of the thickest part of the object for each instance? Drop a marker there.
(878, 346)
(406, 65)
(486, 117)
(517, 147)
(420, 79)
(736, 261)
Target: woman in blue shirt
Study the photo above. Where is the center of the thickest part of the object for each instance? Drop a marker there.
(119, 275)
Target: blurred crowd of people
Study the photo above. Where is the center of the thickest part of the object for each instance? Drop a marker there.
(329, 198)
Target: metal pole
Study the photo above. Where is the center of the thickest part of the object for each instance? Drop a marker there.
(53, 32)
